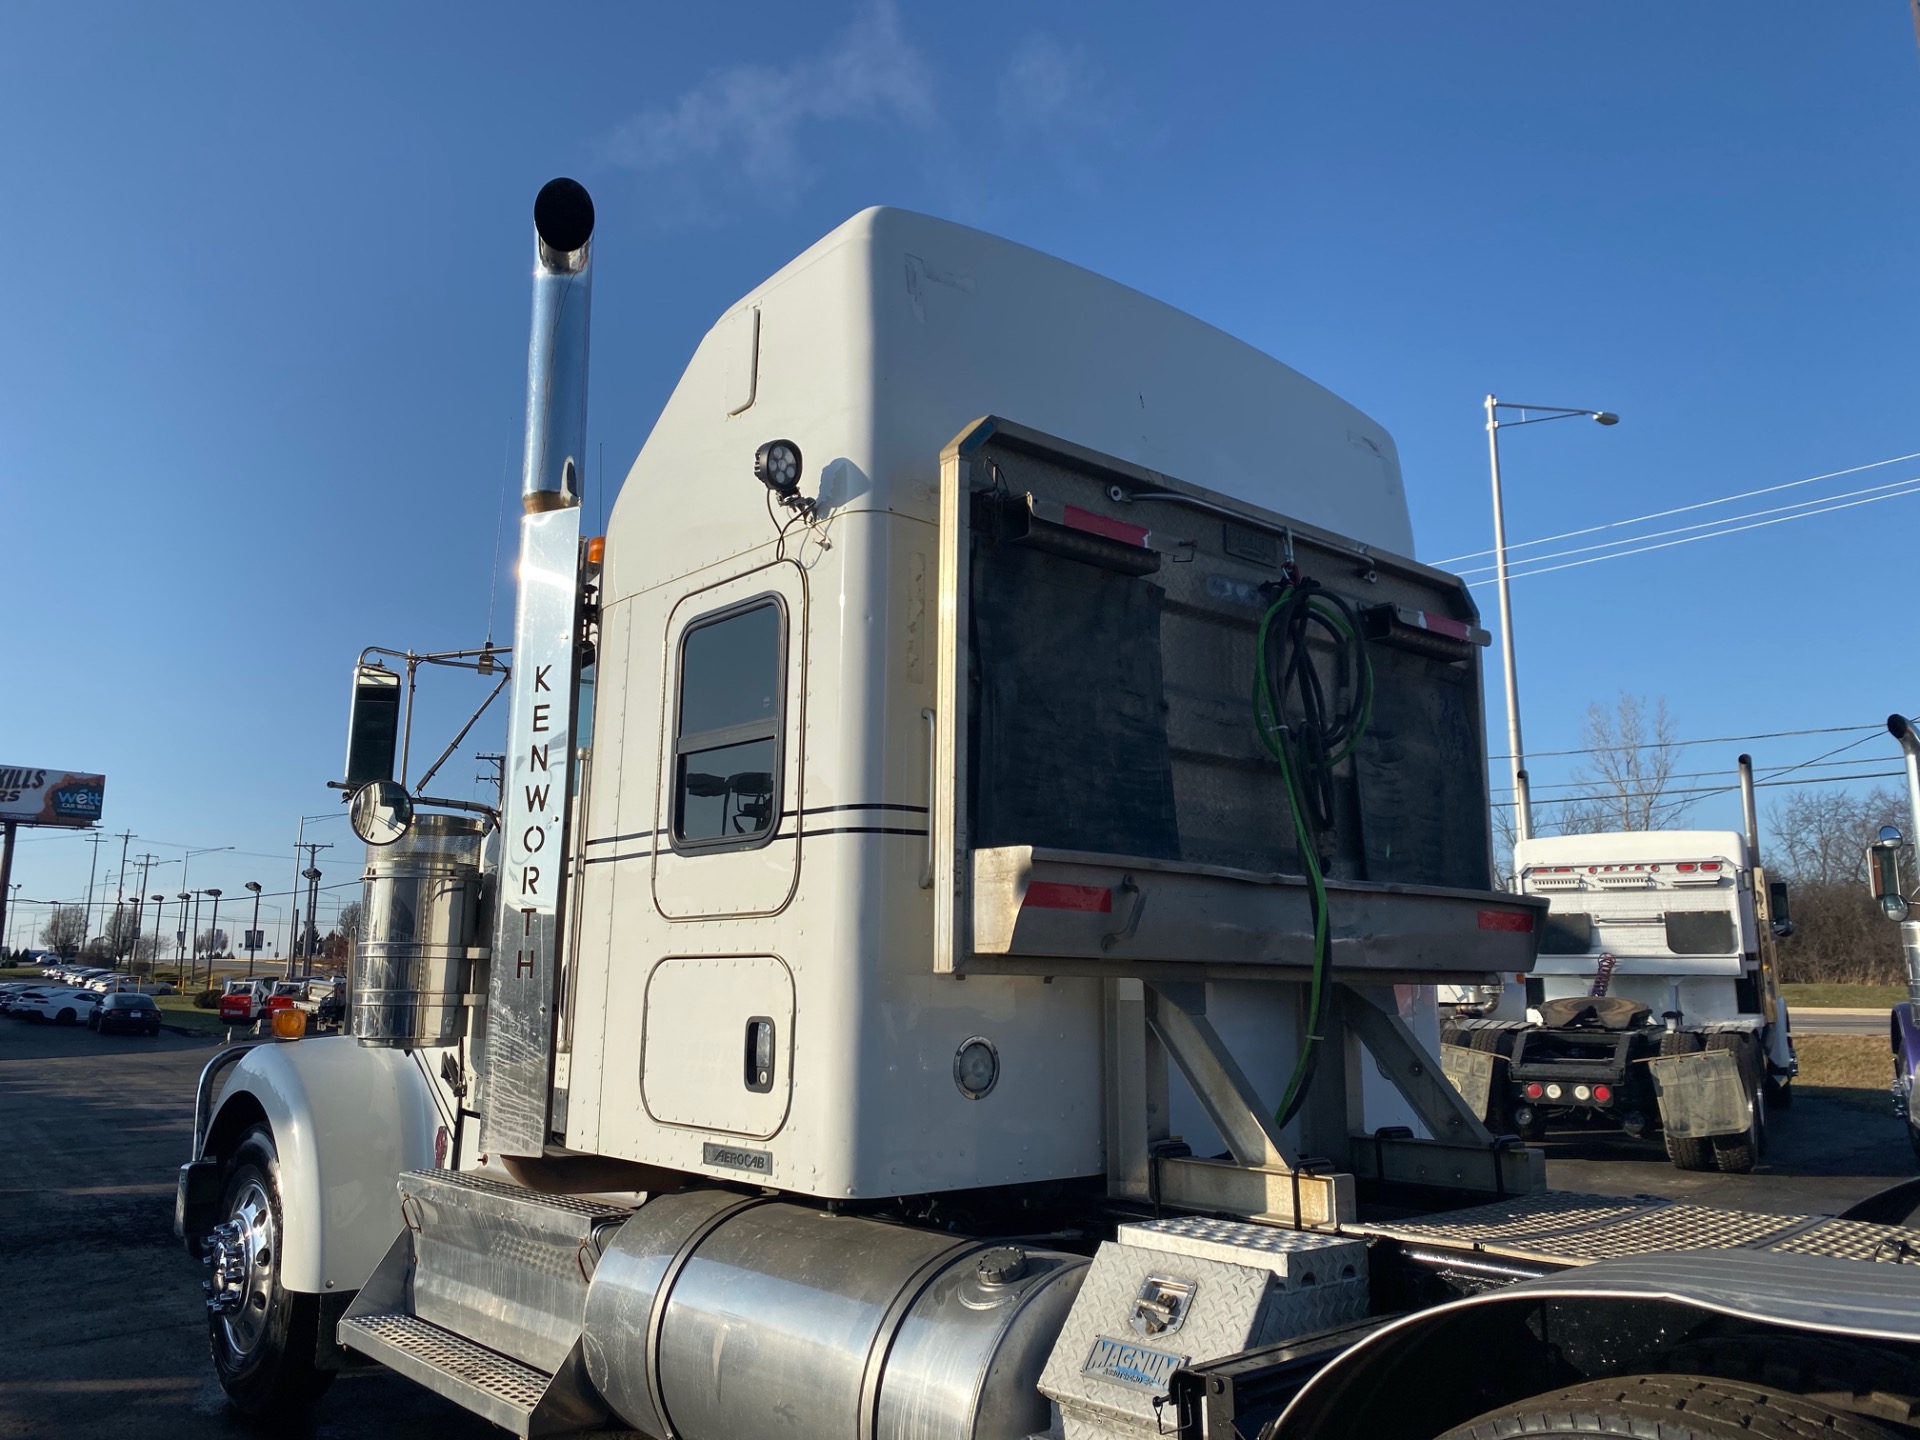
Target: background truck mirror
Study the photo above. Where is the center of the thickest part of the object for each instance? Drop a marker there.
(373, 725)
(1780, 918)
(1883, 874)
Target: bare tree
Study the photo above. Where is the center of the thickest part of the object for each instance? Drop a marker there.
(348, 921)
(66, 930)
(1816, 839)
(1627, 779)
(126, 936)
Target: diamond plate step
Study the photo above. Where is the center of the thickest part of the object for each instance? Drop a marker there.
(1568, 1229)
(497, 1389)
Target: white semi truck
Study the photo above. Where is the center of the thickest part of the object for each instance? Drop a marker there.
(993, 686)
(1653, 1004)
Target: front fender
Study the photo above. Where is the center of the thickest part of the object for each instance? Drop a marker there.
(347, 1121)
(1904, 1028)
(1409, 1378)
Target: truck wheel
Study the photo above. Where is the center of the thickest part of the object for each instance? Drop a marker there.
(1690, 1154)
(1672, 1407)
(1499, 1116)
(264, 1337)
(1738, 1154)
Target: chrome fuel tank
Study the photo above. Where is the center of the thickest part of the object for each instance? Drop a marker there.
(424, 914)
(713, 1316)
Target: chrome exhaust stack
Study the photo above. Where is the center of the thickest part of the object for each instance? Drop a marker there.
(557, 353)
(516, 1059)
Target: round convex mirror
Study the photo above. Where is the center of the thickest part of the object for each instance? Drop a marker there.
(380, 812)
(1889, 834)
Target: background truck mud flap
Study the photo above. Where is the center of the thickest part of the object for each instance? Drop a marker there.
(1471, 1073)
(1702, 1095)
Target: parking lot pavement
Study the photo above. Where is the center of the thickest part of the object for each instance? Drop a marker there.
(102, 1333)
(1822, 1156)
(101, 1328)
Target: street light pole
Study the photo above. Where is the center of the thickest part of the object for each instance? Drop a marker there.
(213, 932)
(1516, 753)
(253, 930)
(159, 919)
(182, 932)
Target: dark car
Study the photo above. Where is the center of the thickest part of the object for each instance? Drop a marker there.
(136, 1014)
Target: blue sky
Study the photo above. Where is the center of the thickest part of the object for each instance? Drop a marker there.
(265, 317)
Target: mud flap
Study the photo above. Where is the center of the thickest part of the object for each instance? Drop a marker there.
(196, 1202)
(1702, 1095)
(1471, 1073)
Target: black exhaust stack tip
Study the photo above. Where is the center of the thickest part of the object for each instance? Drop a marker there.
(563, 215)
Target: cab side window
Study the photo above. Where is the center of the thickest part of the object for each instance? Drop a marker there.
(727, 726)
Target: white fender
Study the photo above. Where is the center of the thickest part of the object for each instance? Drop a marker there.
(347, 1121)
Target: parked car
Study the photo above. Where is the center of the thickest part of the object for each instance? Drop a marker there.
(61, 1006)
(15, 993)
(243, 1001)
(133, 1014)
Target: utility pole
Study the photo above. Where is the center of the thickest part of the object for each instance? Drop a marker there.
(312, 876)
(120, 894)
(139, 899)
(9, 891)
(95, 839)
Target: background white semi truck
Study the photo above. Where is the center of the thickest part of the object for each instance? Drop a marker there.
(1653, 1004)
(955, 956)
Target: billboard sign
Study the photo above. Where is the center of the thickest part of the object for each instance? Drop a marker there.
(32, 795)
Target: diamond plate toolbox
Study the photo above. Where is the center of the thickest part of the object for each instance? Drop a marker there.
(1170, 1292)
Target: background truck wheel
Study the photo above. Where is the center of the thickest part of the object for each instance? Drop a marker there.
(1671, 1407)
(1691, 1154)
(1738, 1154)
(1499, 1116)
(265, 1343)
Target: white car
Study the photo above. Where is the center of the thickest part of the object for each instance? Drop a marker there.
(62, 1007)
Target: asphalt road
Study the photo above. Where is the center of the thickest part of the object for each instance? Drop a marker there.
(101, 1327)
(1840, 1022)
(102, 1332)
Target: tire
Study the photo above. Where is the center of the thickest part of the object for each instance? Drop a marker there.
(1738, 1154)
(1692, 1154)
(1499, 1116)
(264, 1352)
(67, 1017)
(1669, 1407)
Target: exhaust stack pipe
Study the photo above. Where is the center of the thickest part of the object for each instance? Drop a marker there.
(1901, 730)
(557, 353)
(1750, 812)
(536, 805)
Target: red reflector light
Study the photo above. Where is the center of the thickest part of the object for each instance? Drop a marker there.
(1049, 895)
(1709, 864)
(1685, 866)
(1107, 526)
(1535, 1090)
(1603, 1093)
(1521, 923)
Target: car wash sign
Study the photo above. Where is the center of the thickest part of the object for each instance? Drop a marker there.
(35, 795)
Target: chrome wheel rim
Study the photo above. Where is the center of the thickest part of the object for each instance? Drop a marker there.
(242, 1254)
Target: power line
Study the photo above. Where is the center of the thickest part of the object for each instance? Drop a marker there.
(1713, 526)
(1758, 785)
(1708, 740)
(1683, 509)
(1601, 782)
(1690, 539)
